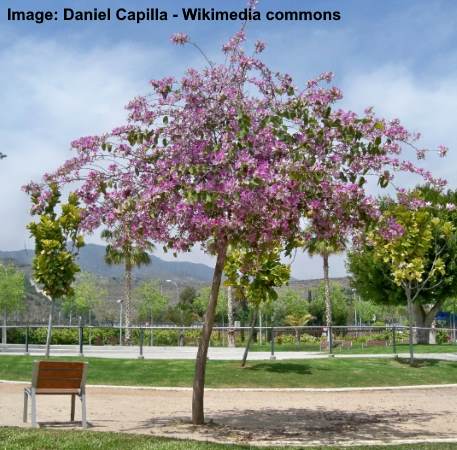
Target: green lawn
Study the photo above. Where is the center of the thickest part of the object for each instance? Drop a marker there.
(357, 348)
(23, 438)
(331, 372)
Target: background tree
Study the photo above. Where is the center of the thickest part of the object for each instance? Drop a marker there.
(201, 304)
(131, 255)
(295, 311)
(372, 277)
(12, 293)
(57, 242)
(2, 155)
(318, 307)
(325, 248)
(187, 310)
(257, 274)
(152, 304)
(420, 257)
(88, 293)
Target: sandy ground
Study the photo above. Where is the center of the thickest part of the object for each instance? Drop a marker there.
(262, 417)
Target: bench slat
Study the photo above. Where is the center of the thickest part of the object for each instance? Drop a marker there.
(56, 383)
(60, 364)
(61, 373)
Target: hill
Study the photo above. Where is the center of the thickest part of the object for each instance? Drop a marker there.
(91, 259)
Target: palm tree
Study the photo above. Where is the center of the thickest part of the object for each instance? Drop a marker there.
(326, 248)
(132, 256)
(297, 320)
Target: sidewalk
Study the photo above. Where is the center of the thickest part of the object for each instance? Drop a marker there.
(215, 353)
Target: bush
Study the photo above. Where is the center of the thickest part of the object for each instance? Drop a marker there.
(442, 337)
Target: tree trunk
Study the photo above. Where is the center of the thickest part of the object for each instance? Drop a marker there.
(231, 332)
(251, 334)
(127, 300)
(410, 321)
(297, 336)
(328, 301)
(4, 338)
(424, 319)
(49, 333)
(198, 415)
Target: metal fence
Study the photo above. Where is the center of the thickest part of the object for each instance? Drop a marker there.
(336, 339)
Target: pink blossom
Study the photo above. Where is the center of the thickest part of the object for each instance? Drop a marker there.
(179, 38)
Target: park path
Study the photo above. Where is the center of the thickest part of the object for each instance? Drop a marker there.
(262, 417)
(215, 353)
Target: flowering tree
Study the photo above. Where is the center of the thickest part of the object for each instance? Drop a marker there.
(234, 154)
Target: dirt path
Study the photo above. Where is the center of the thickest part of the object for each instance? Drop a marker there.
(262, 417)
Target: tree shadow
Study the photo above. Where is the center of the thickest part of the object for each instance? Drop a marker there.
(281, 367)
(301, 425)
(420, 363)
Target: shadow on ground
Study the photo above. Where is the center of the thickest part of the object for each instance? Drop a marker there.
(328, 426)
(300, 369)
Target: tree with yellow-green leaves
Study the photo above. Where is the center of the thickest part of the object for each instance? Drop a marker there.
(418, 248)
(57, 242)
(257, 274)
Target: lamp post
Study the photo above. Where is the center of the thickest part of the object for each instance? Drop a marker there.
(120, 302)
(181, 336)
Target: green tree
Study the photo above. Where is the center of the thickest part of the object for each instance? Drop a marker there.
(201, 303)
(57, 242)
(293, 310)
(151, 302)
(131, 255)
(12, 293)
(88, 293)
(257, 274)
(317, 306)
(420, 258)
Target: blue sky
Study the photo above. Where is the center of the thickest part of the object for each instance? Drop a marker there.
(61, 80)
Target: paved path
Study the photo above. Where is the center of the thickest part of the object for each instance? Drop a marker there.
(216, 353)
(264, 417)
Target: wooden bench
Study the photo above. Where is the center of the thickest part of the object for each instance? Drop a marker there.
(57, 378)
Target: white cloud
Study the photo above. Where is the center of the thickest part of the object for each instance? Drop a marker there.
(423, 105)
(53, 93)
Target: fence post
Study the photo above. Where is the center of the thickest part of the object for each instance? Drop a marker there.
(26, 340)
(141, 343)
(394, 341)
(81, 339)
(330, 341)
(272, 355)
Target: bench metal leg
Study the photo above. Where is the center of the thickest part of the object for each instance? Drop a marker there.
(34, 422)
(72, 407)
(83, 410)
(26, 398)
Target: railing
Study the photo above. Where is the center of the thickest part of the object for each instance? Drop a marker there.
(336, 339)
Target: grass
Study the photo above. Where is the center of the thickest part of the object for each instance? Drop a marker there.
(331, 372)
(22, 438)
(357, 348)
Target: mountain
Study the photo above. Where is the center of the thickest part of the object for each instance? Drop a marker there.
(91, 259)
